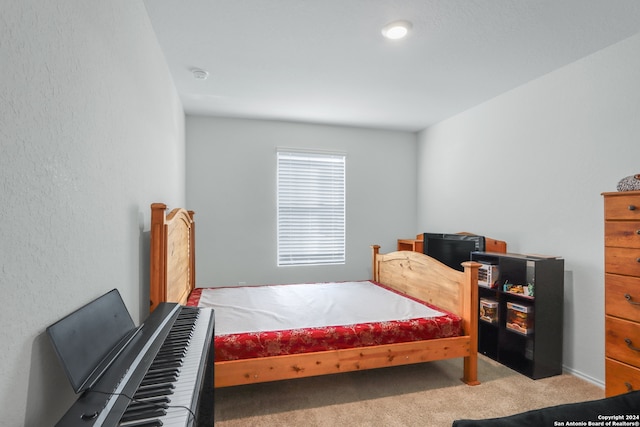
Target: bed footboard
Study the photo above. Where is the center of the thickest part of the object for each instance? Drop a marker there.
(427, 279)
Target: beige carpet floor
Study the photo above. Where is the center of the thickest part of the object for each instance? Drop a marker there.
(428, 394)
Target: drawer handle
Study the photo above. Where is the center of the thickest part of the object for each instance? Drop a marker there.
(628, 386)
(632, 208)
(630, 344)
(629, 299)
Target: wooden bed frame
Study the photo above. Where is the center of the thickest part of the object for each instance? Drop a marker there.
(172, 278)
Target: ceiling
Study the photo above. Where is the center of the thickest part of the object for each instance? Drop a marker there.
(325, 61)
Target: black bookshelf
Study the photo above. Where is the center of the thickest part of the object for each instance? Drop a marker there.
(537, 350)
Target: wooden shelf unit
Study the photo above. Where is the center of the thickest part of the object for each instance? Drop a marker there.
(413, 245)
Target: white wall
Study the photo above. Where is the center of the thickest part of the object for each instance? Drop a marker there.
(528, 167)
(91, 133)
(231, 185)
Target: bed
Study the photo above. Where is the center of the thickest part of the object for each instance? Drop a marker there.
(411, 274)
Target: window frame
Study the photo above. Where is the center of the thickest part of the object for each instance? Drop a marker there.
(310, 208)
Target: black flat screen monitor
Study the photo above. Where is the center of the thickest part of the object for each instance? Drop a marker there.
(89, 339)
(452, 249)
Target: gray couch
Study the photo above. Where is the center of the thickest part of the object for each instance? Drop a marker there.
(621, 410)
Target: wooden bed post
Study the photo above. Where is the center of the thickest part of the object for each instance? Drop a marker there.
(158, 250)
(374, 270)
(470, 305)
(192, 250)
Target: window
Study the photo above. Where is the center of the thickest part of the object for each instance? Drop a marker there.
(311, 208)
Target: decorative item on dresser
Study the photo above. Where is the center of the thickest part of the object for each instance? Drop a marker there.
(629, 183)
(622, 291)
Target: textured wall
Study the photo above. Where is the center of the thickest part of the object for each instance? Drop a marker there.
(231, 185)
(528, 167)
(91, 133)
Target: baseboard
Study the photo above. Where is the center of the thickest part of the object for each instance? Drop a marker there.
(582, 376)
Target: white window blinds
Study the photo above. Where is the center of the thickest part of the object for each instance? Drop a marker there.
(311, 208)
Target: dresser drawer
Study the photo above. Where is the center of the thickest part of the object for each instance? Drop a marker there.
(622, 205)
(622, 261)
(622, 296)
(620, 378)
(622, 339)
(624, 234)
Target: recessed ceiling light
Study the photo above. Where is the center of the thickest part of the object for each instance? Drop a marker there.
(396, 30)
(200, 74)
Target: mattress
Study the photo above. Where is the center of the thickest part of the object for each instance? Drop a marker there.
(272, 320)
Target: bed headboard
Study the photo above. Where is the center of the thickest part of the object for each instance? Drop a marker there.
(172, 264)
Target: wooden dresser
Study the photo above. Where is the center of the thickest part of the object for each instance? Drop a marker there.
(622, 291)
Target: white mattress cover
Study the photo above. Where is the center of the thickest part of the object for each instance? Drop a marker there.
(285, 307)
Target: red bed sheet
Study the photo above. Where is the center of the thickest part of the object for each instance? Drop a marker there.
(308, 340)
